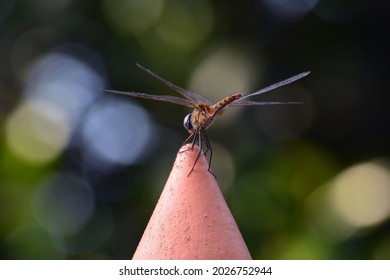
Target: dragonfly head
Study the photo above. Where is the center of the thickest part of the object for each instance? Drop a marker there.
(187, 123)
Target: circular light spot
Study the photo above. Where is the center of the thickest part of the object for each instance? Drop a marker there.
(184, 24)
(361, 194)
(115, 132)
(224, 72)
(37, 131)
(63, 80)
(133, 16)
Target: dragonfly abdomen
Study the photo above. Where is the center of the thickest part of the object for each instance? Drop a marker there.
(221, 105)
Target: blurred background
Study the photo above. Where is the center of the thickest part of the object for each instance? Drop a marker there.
(81, 170)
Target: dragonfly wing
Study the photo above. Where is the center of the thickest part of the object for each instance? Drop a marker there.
(196, 98)
(240, 102)
(278, 84)
(164, 98)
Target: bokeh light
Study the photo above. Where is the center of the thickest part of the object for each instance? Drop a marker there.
(361, 194)
(37, 131)
(185, 24)
(356, 199)
(134, 16)
(62, 79)
(115, 132)
(224, 71)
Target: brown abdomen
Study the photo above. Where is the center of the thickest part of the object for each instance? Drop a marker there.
(221, 105)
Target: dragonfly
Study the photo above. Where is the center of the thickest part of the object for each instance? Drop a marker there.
(204, 110)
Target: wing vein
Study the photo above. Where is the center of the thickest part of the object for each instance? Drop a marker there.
(165, 98)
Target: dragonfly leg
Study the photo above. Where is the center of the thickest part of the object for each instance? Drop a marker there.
(200, 140)
(202, 137)
(193, 142)
(187, 140)
(199, 137)
(208, 148)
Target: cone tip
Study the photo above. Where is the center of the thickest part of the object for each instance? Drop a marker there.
(191, 219)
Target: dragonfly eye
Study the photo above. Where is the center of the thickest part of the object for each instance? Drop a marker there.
(187, 123)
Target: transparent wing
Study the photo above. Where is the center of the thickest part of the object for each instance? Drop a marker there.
(164, 98)
(272, 87)
(194, 97)
(240, 102)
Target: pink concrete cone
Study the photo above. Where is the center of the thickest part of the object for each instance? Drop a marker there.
(191, 219)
